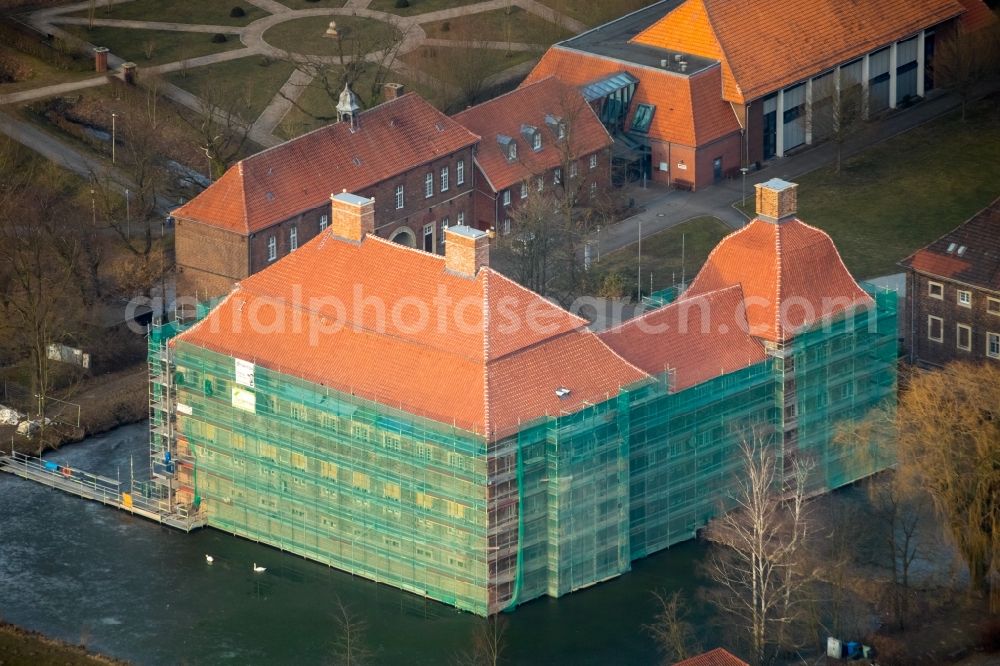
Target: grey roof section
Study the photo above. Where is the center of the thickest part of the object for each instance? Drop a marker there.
(353, 199)
(468, 232)
(611, 40)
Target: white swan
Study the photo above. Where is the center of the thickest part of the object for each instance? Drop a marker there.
(257, 569)
(209, 559)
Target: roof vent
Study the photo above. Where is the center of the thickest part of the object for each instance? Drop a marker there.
(357, 161)
(678, 57)
(961, 251)
(663, 63)
(683, 65)
(951, 247)
(439, 126)
(562, 392)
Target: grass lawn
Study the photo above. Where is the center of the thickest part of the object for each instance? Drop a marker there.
(41, 72)
(423, 58)
(209, 12)
(418, 6)
(900, 195)
(254, 78)
(596, 13)
(163, 45)
(499, 26)
(308, 35)
(661, 254)
(312, 4)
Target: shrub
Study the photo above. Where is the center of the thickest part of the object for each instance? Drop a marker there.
(237, 12)
(218, 38)
(13, 70)
(402, 4)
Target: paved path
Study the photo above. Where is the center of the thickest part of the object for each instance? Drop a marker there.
(668, 208)
(499, 46)
(150, 25)
(270, 6)
(281, 104)
(50, 147)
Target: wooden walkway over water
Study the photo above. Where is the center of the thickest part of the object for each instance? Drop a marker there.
(96, 488)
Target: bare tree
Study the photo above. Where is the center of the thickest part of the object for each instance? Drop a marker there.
(949, 444)
(488, 643)
(899, 510)
(349, 646)
(965, 59)
(670, 629)
(464, 70)
(222, 132)
(839, 112)
(529, 251)
(758, 551)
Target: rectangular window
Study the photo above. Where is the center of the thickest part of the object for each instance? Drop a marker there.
(643, 116)
(993, 345)
(963, 337)
(324, 222)
(965, 298)
(428, 238)
(573, 169)
(524, 190)
(536, 141)
(272, 248)
(593, 161)
(935, 328)
(593, 189)
(506, 197)
(293, 238)
(460, 173)
(444, 179)
(399, 197)
(445, 223)
(506, 226)
(935, 290)
(539, 183)
(429, 185)
(557, 176)
(993, 305)
(461, 218)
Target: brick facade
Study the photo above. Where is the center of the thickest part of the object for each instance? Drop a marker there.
(950, 314)
(209, 259)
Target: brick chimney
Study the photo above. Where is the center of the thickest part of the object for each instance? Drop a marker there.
(392, 91)
(465, 250)
(776, 200)
(351, 216)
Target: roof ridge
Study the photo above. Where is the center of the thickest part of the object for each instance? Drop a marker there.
(836, 253)
(487, 407)
(779, 329)
(490, 101)
(995, 202)
(535, 294)
(680, 299)
(243, 197)
(715, 249)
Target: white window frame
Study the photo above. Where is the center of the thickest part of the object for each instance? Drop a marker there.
(506, 226)
(293, 238)
(524, 189)
(324, 222)
(272, 248)
(593, 189)
(959, 328)
(593, 161)
(460, 173)
(506, 197)
(993, 339)
(993, 305)
(931, 319)
(966, 295)
(460, 220)
(428, 231)
(400, 197)
(935, 290)
(573, 169)
(536, 141)
(557, 176)
(429, 185)
(444, 179)
(539, 183)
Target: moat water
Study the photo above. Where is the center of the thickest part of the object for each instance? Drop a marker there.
(83, 572)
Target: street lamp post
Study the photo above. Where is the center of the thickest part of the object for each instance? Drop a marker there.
(114, 116)
(638, 274)
(128, 217)
(743, 170)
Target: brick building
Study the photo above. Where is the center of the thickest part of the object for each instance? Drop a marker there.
(413, 160)
(953, 287)
(539, 138)
(696, 89)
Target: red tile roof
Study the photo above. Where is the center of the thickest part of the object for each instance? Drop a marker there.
(529, 105)
(716, 657)
(301, 174)
(765, 45)
(791, 274)
(390, 324)
(977, 15)
(979, 263)
(674, 95)
(696, 338)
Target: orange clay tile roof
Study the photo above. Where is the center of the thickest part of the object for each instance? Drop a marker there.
(977, 15)
(765, 45)
(791, 274)
(696, 338)
(390, 324)
(979, 263)
(674, 95)
(529, 105)
(301, 174)
(716, 657)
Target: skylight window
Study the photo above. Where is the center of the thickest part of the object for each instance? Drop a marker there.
(961, 251)
(951, 247)
(562, 392)
(643, 117)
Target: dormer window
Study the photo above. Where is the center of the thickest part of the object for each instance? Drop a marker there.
(532, 136)
(643, 117)
(508, 146)
(557, 125)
